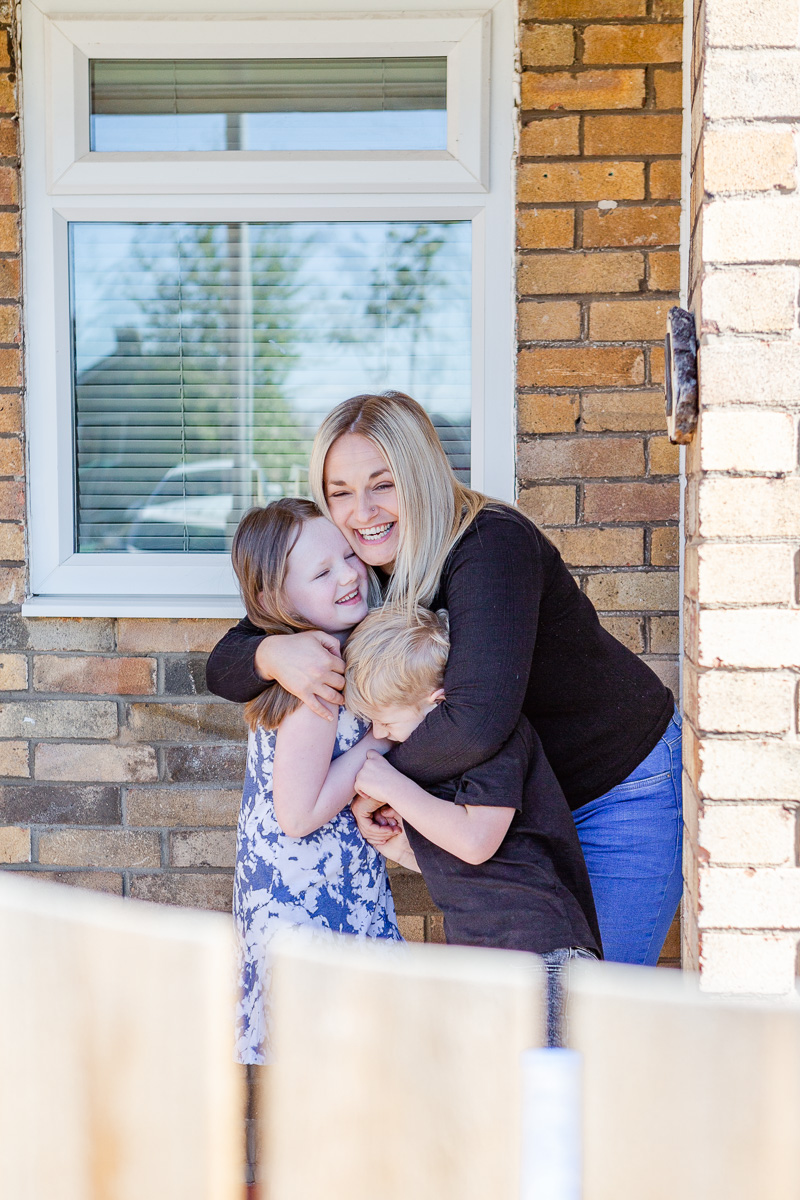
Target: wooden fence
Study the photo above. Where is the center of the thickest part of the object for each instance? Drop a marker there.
(398, 1069)
(117, 1079)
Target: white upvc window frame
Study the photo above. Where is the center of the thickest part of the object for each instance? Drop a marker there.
(64, 182)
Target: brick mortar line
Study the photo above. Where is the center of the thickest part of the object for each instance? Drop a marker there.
(592, 393)
(579, 67)
(528, 116)
(612, 157)
(589, 343)
(136, 872)
(643, 22)
(606, 251)
(549, 116)
(52, 826)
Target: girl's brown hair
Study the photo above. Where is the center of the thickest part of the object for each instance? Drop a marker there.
(260, 553)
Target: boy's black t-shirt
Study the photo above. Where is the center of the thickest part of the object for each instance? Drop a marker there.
(534, 893)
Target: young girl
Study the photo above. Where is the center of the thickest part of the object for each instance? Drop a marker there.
(300, 859)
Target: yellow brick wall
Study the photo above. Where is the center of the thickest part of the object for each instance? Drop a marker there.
(599, 210)
(598, 234)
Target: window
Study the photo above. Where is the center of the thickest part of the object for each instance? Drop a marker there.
(205, 356)
(232, 226)
(283, 104)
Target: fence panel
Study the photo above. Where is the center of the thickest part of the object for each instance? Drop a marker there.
(397, 1071)
(116, 1043)
(685, 1095)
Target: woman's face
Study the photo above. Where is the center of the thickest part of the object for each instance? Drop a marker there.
(362, 499)
(325, 580)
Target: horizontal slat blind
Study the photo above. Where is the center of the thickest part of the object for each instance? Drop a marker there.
(205, 356)
(236, 85)
(267, 104)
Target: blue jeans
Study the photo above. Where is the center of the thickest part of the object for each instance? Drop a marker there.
(631, 839)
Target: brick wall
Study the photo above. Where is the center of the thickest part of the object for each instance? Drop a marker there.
(742, 756)
(118, 771)
(599, 209)
(598, 233)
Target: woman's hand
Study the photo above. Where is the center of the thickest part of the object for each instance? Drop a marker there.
(309, 665)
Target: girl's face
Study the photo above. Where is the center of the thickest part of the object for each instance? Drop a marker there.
(362, 499)
(326, 582)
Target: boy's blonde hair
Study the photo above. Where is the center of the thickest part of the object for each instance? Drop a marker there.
(395, 659)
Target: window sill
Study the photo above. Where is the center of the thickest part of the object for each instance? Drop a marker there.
(190, 607)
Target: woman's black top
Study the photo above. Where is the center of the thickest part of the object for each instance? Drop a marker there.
(523, 639)
(534, 892)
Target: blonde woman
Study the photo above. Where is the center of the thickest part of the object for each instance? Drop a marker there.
(524, 641)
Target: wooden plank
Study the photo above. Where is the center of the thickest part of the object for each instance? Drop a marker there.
(117, 1079)
(686, 1094)
(397, 1071)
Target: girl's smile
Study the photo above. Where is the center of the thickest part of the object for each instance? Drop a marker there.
(362, 499)
(326, 581)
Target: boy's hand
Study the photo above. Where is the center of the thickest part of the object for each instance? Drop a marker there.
(377, 778)
(377, 823)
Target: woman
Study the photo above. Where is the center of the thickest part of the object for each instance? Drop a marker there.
(524, 639)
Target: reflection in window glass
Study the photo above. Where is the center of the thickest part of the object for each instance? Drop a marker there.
(281, 104)
(206, 355)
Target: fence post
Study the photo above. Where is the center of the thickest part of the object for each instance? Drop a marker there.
(116, 1043)
(685, 1095)
(397, 1071)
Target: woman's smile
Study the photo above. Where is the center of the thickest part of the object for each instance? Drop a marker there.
(362, 499)
(376, 533)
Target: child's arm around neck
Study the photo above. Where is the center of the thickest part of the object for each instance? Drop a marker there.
(308, 789)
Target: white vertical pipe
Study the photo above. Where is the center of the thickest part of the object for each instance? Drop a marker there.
(552, 1165)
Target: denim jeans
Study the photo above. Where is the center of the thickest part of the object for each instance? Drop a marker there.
(555, 961)
(631, 839)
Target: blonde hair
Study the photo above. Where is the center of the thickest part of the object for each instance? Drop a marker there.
(433, 507)
(392, 658)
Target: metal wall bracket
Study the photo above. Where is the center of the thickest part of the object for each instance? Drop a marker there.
(680, 376)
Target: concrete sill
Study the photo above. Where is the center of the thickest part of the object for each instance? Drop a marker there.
(190, 607)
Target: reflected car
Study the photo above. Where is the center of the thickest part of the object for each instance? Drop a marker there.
(196, 507)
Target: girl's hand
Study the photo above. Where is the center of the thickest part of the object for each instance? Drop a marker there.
(309, 665)
(377, 779)
(377, 824)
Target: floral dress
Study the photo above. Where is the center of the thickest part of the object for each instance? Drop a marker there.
(331, 879)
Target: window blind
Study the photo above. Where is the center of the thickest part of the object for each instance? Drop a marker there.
(205, 356)
(268, 104)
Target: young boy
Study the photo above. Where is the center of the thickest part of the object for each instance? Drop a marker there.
(498, 848)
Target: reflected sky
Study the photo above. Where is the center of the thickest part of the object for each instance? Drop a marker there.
(277, 132)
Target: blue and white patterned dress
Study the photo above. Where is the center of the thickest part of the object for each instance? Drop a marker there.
(331, 879)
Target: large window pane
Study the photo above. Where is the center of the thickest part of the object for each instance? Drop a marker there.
(205, 356)
(268, 104)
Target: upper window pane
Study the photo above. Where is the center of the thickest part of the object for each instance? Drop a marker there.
(206, 355)
(278, 104)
